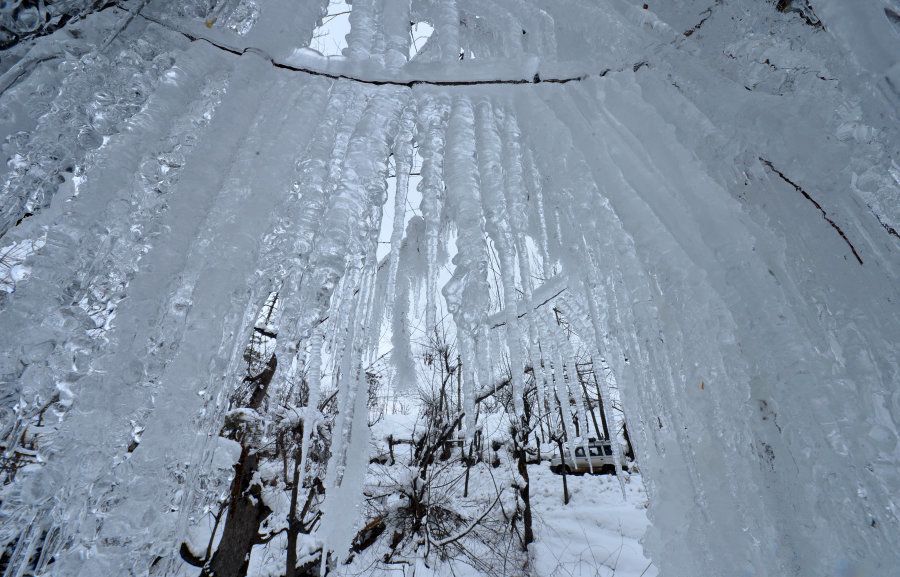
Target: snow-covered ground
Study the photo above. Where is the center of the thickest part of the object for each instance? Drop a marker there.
(597, 534)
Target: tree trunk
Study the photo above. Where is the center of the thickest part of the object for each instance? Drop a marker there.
(525, 494)
(629, 448)
(562, 459)
(246, 510)
(521, 439)
(602, 410)
(591, 407)
(293, 524)
(245, 513)
(468, 468)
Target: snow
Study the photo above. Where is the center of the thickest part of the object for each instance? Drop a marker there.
(597, 533)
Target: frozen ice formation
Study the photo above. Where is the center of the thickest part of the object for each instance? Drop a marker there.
(712, 204)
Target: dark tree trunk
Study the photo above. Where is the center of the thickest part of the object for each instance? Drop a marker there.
(591, 408)
(245, 513)
(602, 410)
(468, 461)
(246, 510)
(293, 524)
(629, 448)
(521, 439)
(525, 494)
(562, 458)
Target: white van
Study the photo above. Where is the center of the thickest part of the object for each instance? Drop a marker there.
(599, 458)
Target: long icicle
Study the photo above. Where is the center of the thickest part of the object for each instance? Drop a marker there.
(516, 199)
(490, 167)
(467, 291)
(432, 121)
(403, 159)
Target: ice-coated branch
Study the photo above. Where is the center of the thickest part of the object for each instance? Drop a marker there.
(816, 204)
(240, 51)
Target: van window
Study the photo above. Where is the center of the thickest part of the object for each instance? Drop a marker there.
(607, 449)
(595, 451)
(579, 452)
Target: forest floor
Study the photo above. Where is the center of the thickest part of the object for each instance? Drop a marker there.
(597, 534)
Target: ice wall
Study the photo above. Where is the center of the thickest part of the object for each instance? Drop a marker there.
(713, 196)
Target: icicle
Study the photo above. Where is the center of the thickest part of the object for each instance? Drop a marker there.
(432, 120)
(343, 226)
(321, 170)
(81, 272)
(363, 30)
(385, 275)
(535, 190)
(551, 337)
(483, 359)
(516, 198)
(343, 309)
(314, 380)
(576, 391)
(446, 26)
(402, 355)
(375, 279)
(490, 166)
(395, 17)
(466, 293)
(346, 237)
(403, 159)
(349, 459)
(374, 313)
(318, 178)
(594, 306)
(469, 361)
(333, 532)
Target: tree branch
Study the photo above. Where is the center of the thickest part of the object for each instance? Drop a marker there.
(814, 203)
(469, 528)
(536, 79)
